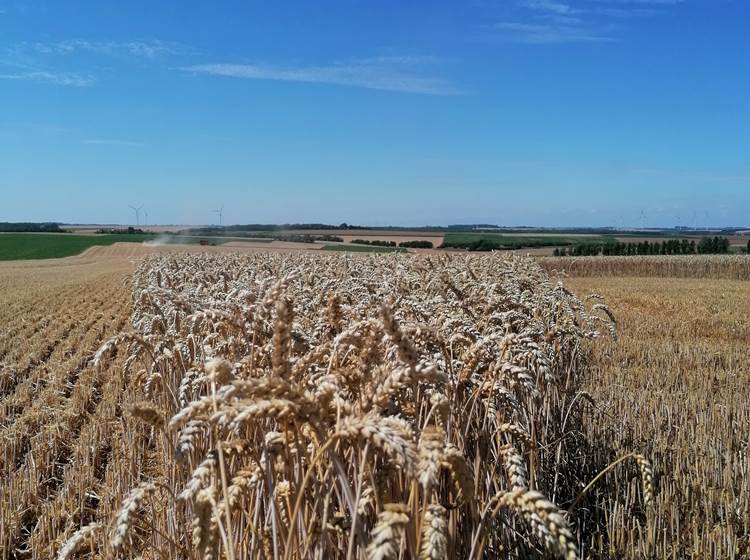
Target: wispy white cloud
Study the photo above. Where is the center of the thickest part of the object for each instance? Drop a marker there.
(58, 78)
(624, 9)
(146, 48)
(36, 61)
(111, 142)
(388, 73)
(548, 33)
(550, 6)
(570, 21)
(623, 12)
(643, 2)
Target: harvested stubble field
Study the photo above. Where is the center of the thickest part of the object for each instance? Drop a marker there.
(676, 385)
(320, 406)
(59, 417)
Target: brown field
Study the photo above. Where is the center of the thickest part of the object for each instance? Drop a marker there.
(358, 404)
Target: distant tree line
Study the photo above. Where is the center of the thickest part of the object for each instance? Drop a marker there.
(294, 238)
(291, 227)
(304, 237)
(31, 227)
(706, 246)
(122, 231)
(417, 244)
(469, 227)
(220, 230)
(480, 244)
(328, 237)
(376, 242)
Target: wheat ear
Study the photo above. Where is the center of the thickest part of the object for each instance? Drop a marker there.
(386, 536)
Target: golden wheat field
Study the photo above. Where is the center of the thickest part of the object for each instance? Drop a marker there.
(288, 406)
(719, 267)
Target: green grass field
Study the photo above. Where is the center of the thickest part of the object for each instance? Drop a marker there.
(500, 241)
(351, 248)
(16, 246)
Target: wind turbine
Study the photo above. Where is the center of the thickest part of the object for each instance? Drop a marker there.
(137, 210)
(145, 222)
(220, 212)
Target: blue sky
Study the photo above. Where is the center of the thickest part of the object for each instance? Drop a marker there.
(539, 112)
